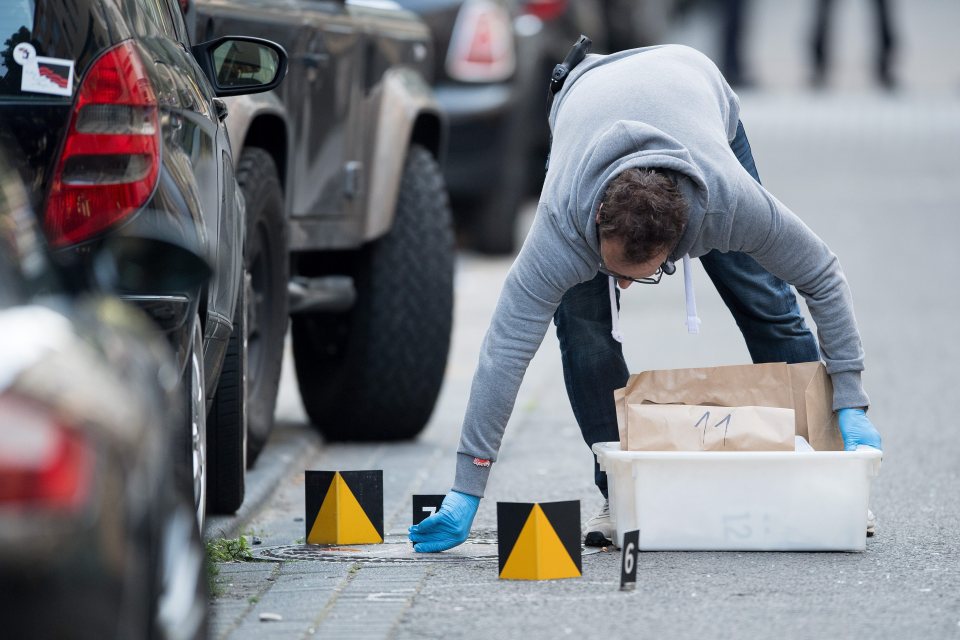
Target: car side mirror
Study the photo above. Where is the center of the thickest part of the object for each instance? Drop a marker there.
(238, 65)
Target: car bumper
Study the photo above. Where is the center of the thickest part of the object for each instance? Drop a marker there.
(479, 117)
(60, 565)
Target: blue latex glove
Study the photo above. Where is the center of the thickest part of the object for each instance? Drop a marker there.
(856, 429)
(448, 527)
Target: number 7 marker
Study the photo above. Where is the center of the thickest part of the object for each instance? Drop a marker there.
(425, 506)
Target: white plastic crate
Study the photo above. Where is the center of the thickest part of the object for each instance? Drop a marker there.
(740, 501)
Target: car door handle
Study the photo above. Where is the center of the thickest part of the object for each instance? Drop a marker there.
(315, 60)
(221, 108)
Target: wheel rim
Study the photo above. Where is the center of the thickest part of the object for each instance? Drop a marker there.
(198, 431)
(180, 613)
(245, 355)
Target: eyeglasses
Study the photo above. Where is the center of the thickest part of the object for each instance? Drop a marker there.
(654, 279)
(668, 267)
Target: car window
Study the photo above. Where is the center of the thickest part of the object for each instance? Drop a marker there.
(153, 18)
(178, 21)
(46, 44)
(16, 26)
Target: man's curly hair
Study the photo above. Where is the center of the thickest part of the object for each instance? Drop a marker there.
(644, 209)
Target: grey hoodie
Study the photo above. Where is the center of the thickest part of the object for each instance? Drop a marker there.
(666, 107)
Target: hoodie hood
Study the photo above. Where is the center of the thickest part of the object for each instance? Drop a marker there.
(630, 144)
(611, 116)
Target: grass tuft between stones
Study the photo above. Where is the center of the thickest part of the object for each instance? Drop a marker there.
(229, 550)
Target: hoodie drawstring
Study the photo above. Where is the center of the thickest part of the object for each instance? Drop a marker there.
(614, 311)
(693, 321)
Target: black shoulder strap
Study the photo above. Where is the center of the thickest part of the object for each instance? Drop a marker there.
(560, 72)
(577, 53)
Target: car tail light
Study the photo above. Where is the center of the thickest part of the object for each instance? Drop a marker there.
(43, 463)
(111, 155)
(481, 46)
(545, 9)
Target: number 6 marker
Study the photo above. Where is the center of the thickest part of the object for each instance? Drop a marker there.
(628, 562)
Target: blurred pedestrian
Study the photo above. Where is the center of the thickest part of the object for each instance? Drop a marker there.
(649, 165)
(734, 18)
(886, 43)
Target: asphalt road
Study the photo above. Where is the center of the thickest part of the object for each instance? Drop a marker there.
(876, 177)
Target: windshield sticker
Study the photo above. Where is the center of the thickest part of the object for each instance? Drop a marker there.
(43, 75)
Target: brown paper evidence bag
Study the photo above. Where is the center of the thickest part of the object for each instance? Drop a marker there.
(757, 407)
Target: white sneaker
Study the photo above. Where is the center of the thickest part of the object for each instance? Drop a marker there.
(601, 528)
(871, 523)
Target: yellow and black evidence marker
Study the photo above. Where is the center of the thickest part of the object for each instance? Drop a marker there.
(539, 541)
(344, 507)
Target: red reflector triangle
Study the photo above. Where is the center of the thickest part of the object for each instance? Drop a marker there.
(481, 47)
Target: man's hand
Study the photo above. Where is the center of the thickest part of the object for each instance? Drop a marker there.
(448, 527)
(856, 429)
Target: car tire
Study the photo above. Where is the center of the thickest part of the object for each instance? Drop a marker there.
(267, 262)
(374, 373)
(190, 441)
(227, 421)
(493, 225)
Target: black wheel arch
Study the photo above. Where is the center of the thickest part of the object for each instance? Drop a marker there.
(269, 132)
(430, 131)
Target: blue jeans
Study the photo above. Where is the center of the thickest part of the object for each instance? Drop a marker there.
(764, 307)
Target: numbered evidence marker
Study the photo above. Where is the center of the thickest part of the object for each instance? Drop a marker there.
(539, 541)
(344, 507)
(628, 563)
(425, 506)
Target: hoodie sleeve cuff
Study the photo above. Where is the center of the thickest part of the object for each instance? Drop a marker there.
(471, 478)
(848, 391)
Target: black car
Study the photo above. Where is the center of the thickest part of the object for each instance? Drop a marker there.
(95, 540)
(120, 126)
(495, 60)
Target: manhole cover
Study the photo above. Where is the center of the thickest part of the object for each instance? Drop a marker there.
(395, 548)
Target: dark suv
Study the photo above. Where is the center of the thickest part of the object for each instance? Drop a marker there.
(494, 61)
(345, 201)
(121, 132)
